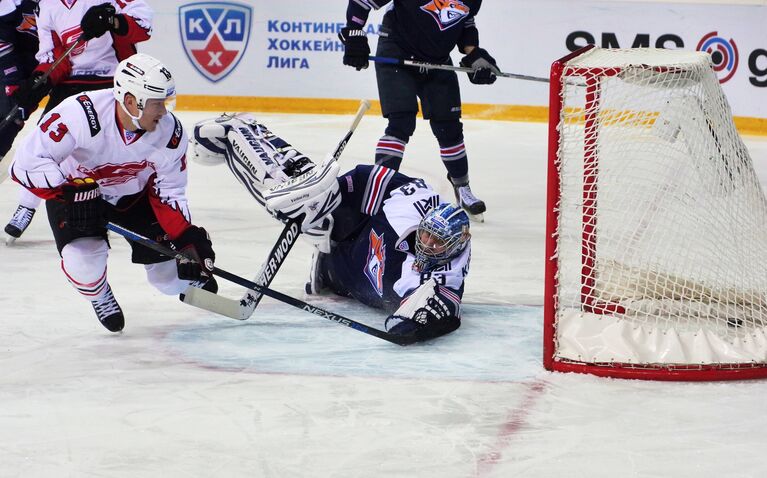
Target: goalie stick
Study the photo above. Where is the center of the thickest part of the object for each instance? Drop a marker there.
(243, 308)
(353, 324)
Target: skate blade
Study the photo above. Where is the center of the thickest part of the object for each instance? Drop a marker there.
(9, 240)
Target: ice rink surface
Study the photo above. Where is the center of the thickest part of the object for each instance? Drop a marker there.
(183, 392)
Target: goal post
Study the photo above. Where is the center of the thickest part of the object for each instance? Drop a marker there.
(656, 227)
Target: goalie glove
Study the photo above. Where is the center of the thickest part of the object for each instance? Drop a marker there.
(425, 314)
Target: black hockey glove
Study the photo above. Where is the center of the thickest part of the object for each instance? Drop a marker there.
(98, 20)
(30, 92)
(84, 209)
(483, 65)
(434, 310)
(195, 244)
(432, 320)
(356, 48)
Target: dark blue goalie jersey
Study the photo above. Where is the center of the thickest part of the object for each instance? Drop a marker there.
(374, 236)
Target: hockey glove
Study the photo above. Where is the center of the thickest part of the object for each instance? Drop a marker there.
(30, 92)
(483, 65)
(195, 244)
(356, 48)
(98, 20)
(426, 314)
(84, 209)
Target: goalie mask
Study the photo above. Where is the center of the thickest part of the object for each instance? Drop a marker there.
(146, 79)
(442, 234)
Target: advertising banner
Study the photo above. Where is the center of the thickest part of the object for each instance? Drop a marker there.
(290, 49)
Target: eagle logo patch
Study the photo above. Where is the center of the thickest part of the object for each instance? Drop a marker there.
(447, 13)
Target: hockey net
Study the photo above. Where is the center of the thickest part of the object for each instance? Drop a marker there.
(656, 223)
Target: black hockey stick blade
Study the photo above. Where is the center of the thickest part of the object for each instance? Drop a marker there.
(325, 314)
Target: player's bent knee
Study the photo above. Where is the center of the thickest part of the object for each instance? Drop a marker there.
(401, 125)
(447, 131)
(164, 277)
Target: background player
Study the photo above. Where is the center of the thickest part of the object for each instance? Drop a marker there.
(116, 155)
(89, 67)
(18, 46)
(380, 236)
(423, 31)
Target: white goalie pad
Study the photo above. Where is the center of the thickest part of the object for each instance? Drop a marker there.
(311, 196)
(258, 158)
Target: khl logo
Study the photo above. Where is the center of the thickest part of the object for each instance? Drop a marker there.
(215, 36)
(724, 54)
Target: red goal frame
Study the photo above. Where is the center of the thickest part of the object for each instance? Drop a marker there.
(733, 371)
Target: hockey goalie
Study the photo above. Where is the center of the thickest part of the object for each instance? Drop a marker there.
(380, 237)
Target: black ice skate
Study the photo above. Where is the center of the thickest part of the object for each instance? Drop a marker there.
(469, 202)
(109, 312)
(19, 223)
(315, 285)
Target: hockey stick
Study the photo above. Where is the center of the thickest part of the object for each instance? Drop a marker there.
(144, 241)
(243, 308)
(11, 116)
(437, 66)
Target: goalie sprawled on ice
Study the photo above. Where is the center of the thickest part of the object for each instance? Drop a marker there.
(380, 237)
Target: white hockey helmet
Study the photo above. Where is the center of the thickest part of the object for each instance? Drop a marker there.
(146, 78)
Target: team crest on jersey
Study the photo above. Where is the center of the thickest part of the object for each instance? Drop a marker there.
(374, 268)
(70, 36)
(215, 36)
(28, 24)
(113, 174)
(447, 13)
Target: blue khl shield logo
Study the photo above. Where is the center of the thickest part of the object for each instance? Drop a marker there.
(215, 36)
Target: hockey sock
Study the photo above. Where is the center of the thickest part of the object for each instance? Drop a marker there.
(389, 152)
(84, 262)
(455, 161)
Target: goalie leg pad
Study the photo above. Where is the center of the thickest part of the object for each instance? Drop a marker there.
(258, 158)
(310, 197)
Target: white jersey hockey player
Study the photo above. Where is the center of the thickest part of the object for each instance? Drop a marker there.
(90, 66)
(383, 238)
(116, 155)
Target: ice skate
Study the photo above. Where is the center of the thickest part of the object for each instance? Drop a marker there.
(18, 223)
(474, 206)
(109, 312)
(315, 284)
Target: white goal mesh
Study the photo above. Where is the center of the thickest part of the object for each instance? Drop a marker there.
(660, 220)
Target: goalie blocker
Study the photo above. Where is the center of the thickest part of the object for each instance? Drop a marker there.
(390, 241)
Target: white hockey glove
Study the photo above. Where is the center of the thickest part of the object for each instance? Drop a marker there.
(310, 197)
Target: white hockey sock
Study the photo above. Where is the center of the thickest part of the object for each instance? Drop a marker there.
(84, 262)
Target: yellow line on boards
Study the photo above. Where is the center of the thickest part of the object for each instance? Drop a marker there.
(745, 125)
